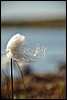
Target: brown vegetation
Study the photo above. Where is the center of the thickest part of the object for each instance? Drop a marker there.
(44, 23)
(46, 86)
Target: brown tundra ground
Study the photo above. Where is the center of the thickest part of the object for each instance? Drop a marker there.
(42, 86)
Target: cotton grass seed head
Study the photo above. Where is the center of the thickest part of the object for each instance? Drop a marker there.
(14, 44)
(17, 50)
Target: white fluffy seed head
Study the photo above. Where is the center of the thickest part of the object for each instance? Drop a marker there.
(14, 44)
(17, 50)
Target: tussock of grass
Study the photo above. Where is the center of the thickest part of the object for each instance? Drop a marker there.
(38, 87)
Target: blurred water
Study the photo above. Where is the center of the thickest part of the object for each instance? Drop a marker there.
(53, 39)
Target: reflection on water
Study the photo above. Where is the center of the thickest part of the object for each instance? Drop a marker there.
(53, 39)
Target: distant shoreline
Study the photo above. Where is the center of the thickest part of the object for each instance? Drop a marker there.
(43, 23)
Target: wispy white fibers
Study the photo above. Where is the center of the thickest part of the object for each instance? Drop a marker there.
(17, 50)
(40, 51)
(14, 45)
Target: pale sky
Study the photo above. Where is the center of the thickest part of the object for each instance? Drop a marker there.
(32, 10)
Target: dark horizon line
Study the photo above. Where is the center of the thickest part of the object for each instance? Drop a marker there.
(43, 23)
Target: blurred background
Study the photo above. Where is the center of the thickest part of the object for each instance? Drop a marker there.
(42, 22)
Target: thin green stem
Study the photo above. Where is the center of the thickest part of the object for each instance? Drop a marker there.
(12, 77)
(22, 80)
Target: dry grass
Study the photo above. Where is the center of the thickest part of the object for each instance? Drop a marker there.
(47, 86)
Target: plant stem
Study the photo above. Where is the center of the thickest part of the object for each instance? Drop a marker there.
(22, 80)
(12, 77)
